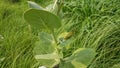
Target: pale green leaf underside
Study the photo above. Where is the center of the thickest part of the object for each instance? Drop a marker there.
(44, 51)
(42, 19)
(45, 37)
(47, 62)
(66, 65)
(82, 57)
(43, 48)
(35, 5)
(78, 64)
(47, 56)
(44, 45)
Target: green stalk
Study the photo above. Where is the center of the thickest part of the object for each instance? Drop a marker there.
(54, 37)
(57, 50)
(59, 4)
(55, 3)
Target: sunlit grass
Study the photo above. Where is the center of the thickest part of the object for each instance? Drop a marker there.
(96, 23)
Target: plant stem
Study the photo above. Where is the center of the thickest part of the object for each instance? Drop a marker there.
(55, 3)
(58, 52)
(54, 37)
(59, 4)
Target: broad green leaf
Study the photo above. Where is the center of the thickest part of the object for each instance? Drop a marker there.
(66, 65)
(43, 48)
(48, 59)
(45, 37)
(78, 64)
(44, 45)
(35, 5)
(82, 55)
(47, 56)
(45, 51)
(47, 62)
(42, 19)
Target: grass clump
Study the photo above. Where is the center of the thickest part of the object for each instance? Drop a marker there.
(96, 23)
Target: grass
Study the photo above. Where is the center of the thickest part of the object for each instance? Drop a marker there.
(96, 24)
(17, 44)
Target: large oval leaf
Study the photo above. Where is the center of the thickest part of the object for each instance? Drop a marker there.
(47, 56)
(42, 19)
(84, 55)
(66, 65)
(44, 45)
(78, 64)
(81, 57)
(44, 50)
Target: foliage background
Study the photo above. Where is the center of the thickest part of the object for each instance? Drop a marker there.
(96, 24)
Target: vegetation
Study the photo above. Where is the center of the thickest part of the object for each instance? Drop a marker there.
(94, 24)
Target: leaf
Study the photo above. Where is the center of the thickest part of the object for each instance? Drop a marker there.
(49, 7)
(82, 56)
(47, 56)
(66, 65)
(78, 64)
(52, 8)
(42, 67)
(35, 5)
(47, 62)
(42, 19)
(44, 50)
(45, 37)
(44, 45)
